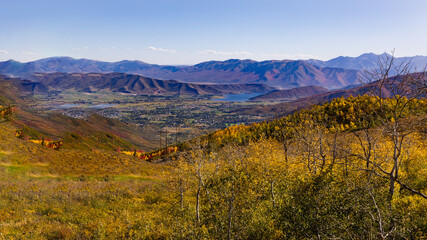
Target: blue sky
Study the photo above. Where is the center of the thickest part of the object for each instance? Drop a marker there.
(192, 31)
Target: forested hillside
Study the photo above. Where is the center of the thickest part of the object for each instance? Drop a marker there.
(350, 169)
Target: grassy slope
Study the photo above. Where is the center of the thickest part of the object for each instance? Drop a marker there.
(59, 126)
(69, 161)
(76, 193)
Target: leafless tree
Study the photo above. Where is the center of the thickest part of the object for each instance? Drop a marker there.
(398, 82)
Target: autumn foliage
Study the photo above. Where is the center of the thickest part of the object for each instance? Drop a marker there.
(327, 172)
(151, 155)
(339, 115)
(56, 145)
(320, 173)
(5, 112)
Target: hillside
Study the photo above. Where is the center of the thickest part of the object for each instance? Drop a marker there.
(95, 131)
(46, 188)
(290, 94)
(128, 83)
(73, 158)
(10, 90)
(311, 167)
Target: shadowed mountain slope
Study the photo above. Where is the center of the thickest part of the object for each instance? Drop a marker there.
(128, 83)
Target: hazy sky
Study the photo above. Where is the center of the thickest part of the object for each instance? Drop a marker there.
(191, 31)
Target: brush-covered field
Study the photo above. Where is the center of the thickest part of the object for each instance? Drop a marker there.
(78, 194)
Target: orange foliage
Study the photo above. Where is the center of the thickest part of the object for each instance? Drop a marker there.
(151, 155)
(56, 145)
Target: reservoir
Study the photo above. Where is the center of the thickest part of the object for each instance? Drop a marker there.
(241, 97)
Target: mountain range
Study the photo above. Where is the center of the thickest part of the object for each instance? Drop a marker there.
(129, 83)
(369, 61)
(333, 74)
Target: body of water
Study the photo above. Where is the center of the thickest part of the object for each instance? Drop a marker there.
(68, 105)
(103, 105)
(241, 97)
(93, 106)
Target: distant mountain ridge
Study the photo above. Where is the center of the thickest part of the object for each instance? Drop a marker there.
(280, 74)
(368, 61)
(129, 83)
(333, 74)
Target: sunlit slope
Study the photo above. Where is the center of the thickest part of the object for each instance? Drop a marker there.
(339, 115)
(108, 131)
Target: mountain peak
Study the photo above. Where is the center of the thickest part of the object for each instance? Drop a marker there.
(371, 54)
(56, 59)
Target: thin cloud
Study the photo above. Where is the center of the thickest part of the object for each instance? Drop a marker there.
(3, 51)
(214, 52)
(156, 49)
